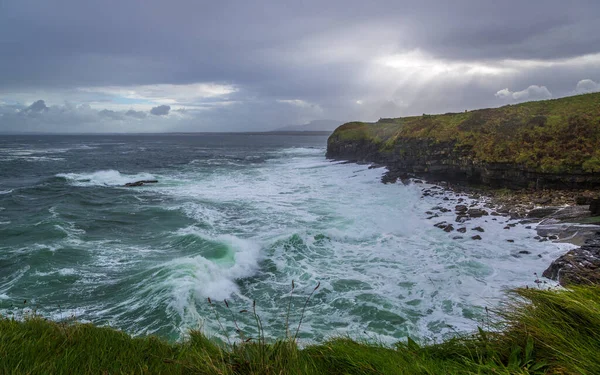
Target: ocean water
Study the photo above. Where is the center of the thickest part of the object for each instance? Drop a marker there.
(238, 217)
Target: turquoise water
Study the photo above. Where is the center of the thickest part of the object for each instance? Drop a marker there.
(238, 217)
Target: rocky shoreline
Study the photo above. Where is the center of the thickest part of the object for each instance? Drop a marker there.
(566, 216)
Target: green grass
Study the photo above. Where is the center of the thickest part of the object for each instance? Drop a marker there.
(552, 136)
(542, 332)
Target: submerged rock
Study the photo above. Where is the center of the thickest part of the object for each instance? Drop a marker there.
(140, 183)
(449, 228)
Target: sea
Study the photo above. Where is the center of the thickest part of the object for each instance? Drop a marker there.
(240, 229)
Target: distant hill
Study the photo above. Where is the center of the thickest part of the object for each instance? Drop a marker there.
(313, 126)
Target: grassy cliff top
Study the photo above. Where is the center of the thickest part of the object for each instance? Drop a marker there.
(557, 135)
(542, 332)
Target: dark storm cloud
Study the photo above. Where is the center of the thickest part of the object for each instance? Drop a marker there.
(314, 57)
(36, 107)
(136, 114)
(161, 110)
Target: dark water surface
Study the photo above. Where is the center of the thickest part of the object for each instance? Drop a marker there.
(236, 216)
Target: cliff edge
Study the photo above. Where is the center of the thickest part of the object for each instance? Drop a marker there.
(542, 144)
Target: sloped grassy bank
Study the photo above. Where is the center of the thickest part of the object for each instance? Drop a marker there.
(541, 332)
(551, 143)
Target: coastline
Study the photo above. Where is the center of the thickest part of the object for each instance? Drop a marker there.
(558, 215)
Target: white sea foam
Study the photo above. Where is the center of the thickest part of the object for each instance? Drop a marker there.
(375, 237)
(384, 269)
(104, 178)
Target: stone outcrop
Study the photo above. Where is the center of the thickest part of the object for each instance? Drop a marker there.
(578, 266)
(445, 161)
(140, 183)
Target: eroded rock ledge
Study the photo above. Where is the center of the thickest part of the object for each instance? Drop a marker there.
(578, 266)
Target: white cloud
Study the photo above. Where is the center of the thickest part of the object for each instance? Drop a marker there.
(586, 86)
(416, 62)
(165, 94)
(533, 92)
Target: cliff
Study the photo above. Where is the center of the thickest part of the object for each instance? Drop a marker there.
(543, 144)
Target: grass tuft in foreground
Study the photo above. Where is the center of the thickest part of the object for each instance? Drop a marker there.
(543, 332)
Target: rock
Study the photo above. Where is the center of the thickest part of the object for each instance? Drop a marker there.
(476, 212)
(441, 225)
(553, 237)
(449, 228)
(542, 212)
(443, 209)
(544, 200)
(461, 218)
(479, 229)
(476, 237)
(446, 198)
(388, 178)
(583, 200)
(573, 212)
(140, 183)
(511, 241)
(578, 266)
(524, 252)
(431, 217)
(595, 207)
(507, 227)
(462, 230)
(457, 238)
(460, 208)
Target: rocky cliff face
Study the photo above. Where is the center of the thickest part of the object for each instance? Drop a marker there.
(447, 161)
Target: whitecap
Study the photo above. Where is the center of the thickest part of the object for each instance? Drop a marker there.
(104, 178)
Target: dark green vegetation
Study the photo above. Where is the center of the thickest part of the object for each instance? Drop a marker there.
(542, 332)
(551, 136)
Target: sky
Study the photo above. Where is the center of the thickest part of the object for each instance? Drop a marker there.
(192, 65)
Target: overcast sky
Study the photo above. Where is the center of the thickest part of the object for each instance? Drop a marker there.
(191, 65)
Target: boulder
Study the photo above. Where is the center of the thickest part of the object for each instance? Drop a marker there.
(578, 266)
(595, 207)
(140, 183)
(449, 228)
(542, 212)
(460, 208)
(476, 212)
(583, 200)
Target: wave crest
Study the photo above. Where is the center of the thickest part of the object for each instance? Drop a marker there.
(108, 177)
